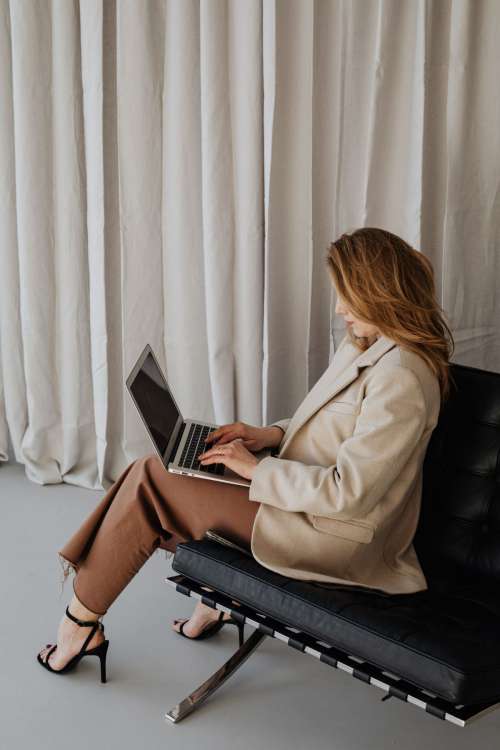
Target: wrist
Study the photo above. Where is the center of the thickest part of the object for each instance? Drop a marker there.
(254, 467)
(275, 436)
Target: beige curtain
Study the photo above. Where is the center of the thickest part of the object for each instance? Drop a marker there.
(172, 172)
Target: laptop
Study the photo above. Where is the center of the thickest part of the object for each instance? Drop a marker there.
(177, 441)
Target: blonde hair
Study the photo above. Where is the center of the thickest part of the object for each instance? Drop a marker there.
(389, 284)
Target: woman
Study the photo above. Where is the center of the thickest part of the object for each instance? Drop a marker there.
(341, 500)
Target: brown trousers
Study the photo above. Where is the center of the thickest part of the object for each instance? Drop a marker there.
(146, 508)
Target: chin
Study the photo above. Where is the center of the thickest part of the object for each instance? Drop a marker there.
(362, 342)
(356, 340)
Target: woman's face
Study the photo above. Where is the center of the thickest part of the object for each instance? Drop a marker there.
(357, 326)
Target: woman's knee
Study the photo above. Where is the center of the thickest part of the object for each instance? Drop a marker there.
(147, 461)
(150, 469)
(146, 457)
(127, 487)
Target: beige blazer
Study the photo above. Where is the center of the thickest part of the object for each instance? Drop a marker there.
(340, 502)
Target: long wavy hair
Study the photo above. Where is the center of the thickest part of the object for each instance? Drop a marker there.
(387, 283)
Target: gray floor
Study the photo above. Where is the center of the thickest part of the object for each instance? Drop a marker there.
(278, 696)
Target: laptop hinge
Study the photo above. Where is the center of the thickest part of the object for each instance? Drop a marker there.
(180, 433)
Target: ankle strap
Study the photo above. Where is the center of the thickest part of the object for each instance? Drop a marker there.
(83, 623)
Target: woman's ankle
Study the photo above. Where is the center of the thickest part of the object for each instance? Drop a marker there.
(80, 611)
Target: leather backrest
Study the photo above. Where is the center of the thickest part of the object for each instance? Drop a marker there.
(458, 536)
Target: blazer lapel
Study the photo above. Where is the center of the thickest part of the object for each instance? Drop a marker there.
(343, 369)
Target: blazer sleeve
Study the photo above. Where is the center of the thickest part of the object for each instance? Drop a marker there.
(388, 428)
(282, 424)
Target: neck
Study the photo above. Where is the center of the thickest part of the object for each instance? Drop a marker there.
(374, 337)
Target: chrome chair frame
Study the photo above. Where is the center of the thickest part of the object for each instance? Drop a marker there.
(393, 685)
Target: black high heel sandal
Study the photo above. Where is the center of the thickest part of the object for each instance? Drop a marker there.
(101, 650)
(214, 628)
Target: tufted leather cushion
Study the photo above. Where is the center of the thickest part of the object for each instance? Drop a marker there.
(458, 537)
(445, 639)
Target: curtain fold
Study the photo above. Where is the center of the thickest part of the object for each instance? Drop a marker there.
(173, 172)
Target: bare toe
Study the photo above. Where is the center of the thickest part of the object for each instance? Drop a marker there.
(177, 624)
(48, 658)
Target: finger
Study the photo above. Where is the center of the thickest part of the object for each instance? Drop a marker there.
(226, 439)
(214, 452)
(246, 443)
(207, 454)
(221, 432)
(213, 460)
(214, 434)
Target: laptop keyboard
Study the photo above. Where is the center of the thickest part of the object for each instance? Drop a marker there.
(195, 444)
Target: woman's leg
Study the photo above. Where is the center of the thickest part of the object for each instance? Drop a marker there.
(146, 508)
(149, 507)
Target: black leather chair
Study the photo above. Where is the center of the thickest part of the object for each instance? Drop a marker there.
(438, 649)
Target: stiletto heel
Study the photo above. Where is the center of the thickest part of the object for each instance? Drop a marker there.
(241, 631)
(101, 650)
(102, 656)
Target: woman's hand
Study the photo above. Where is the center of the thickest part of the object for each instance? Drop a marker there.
(253, 438)
(233, 442)
(234, 455)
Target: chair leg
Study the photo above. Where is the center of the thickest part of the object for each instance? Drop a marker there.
(194, 699)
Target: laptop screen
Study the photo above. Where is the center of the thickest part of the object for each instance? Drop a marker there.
(153, 398)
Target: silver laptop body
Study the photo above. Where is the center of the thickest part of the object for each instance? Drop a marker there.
(177, 441)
